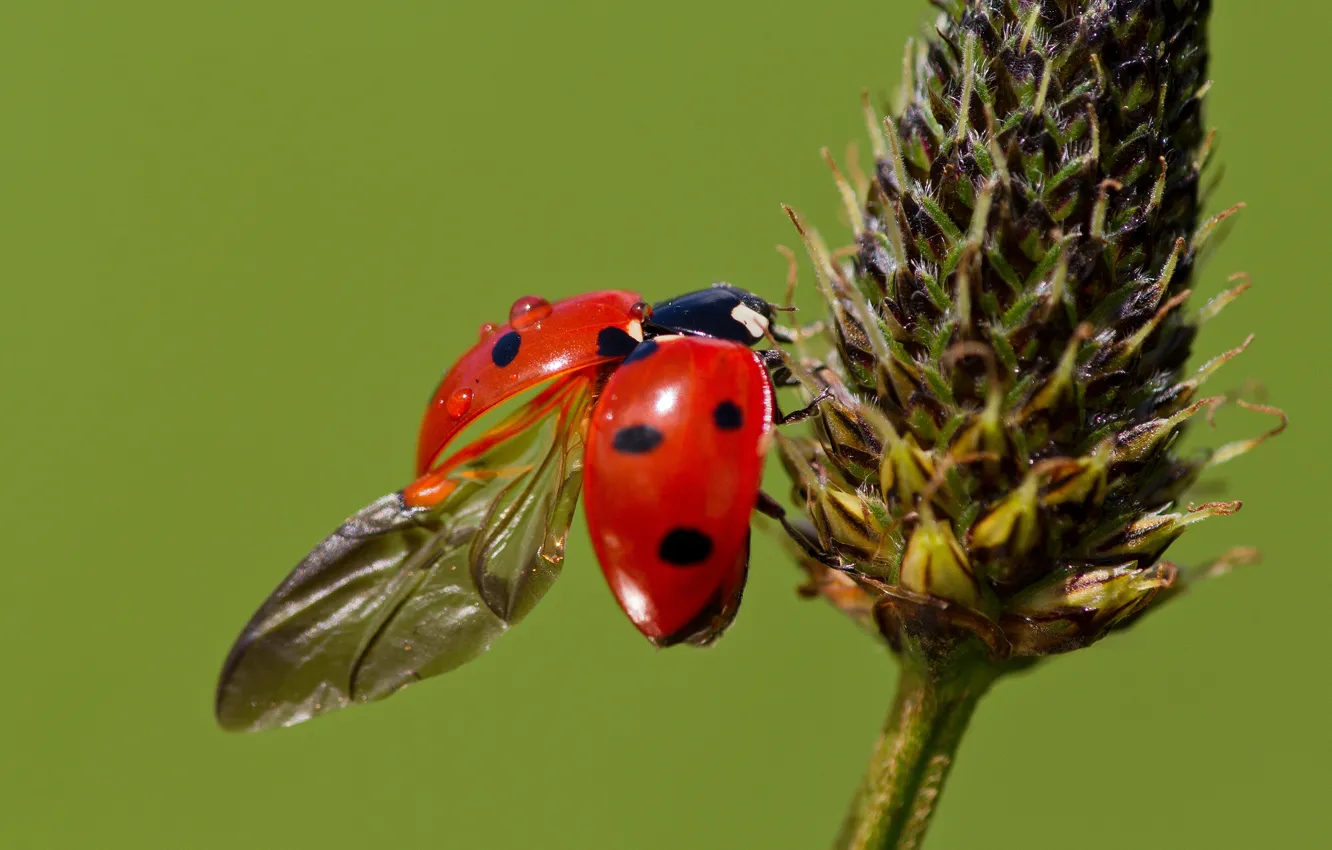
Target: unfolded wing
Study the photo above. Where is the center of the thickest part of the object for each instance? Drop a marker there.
(419, 581)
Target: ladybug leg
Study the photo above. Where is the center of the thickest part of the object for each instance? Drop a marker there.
(786, 371)
(797, 334)
(800, 333)
(770, 507)
(778, 368)
(785, 336)
(803, 413)
(778, 364)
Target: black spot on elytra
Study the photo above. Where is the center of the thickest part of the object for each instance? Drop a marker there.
(646, 348)
(636, 439)
(615, 342)
(506, 348)
(685, 547)
(728, 416)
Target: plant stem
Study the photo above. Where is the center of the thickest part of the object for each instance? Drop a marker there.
(911, 759)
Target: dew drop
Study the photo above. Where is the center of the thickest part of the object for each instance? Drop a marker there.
(527, 311)
(642, 311)
(487, 329)
(459, 403)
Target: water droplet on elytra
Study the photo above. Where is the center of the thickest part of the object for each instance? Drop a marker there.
(641, 310)
(527, 311)
(487, 329)
(459, 403)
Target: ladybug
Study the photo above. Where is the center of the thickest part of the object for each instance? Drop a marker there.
(662, 414)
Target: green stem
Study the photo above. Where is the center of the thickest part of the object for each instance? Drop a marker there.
(911, 760)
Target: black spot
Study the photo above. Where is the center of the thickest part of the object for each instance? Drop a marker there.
(506, 348)
(636, 439)
(685, 547)
(646, 348)
(614, 342)
(728, 416)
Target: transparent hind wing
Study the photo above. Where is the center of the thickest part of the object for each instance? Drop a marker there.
(419, 581)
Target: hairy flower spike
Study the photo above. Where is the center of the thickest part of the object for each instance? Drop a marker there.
(1007, 381)
(996, 469)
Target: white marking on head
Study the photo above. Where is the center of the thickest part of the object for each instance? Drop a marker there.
(636, 330)
(754, 321)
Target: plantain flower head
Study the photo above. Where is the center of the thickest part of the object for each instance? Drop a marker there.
(997, 466)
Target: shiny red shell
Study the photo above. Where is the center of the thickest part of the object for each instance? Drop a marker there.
(674, 460)
(541, 341)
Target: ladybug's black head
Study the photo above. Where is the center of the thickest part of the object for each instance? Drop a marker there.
(722, 311)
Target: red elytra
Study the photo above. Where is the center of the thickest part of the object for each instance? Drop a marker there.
(674, 461)
(541, 341)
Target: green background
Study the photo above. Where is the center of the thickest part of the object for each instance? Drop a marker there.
(238, 243)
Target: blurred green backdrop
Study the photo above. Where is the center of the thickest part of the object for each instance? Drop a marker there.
(238, 243)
